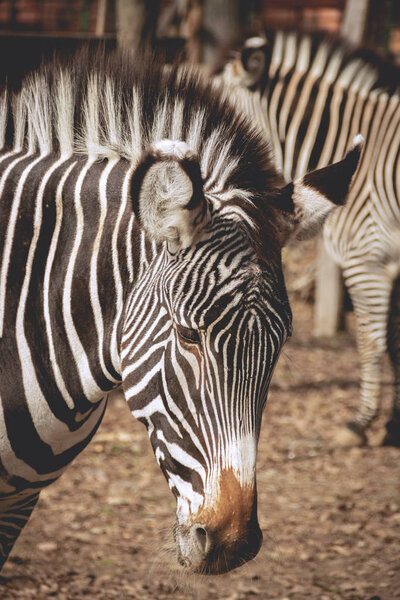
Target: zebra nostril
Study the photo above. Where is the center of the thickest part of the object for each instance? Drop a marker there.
(201, 537)
(184, 561)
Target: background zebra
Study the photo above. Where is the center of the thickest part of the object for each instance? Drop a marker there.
(140, 239)
(311, 95)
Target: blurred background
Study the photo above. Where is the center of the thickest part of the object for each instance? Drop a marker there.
(198, 29)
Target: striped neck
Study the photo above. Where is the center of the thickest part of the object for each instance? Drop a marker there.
(314, 99)
(79, 251)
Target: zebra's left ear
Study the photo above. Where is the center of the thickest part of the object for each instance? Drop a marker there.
(305, 203)
(167, 195)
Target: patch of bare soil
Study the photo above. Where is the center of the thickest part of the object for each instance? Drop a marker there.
(331, 517)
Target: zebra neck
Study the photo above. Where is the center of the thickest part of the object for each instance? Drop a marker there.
(314, 101)
(66, 238)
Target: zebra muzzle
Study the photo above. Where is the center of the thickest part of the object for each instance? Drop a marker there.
(203, 550)
(223, 536)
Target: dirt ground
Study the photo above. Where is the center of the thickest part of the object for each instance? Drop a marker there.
(330, 517)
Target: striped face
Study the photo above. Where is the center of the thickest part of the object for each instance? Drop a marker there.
(203, 331)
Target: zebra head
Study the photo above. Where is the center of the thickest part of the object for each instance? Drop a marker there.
(204, 326)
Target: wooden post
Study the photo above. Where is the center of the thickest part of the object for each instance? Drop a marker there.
(136, 22)
(105, 21)
(130, 15)
(222, 26)
(328, 284)
(328, 294)
(101, 17)
(354, 21)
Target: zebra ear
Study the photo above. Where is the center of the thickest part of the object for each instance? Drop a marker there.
(305, 203)
(254, 59)
(167, 195)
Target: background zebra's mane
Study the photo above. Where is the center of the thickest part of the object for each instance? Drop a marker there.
(116, 106)
(382, 72)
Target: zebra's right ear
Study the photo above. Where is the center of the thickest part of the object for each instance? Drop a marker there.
(304, 204)
(254, 59)
(167, 195)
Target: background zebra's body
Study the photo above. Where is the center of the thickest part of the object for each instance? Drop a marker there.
(311, 95)
(140, 238)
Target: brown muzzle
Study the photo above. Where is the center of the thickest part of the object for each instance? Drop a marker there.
(224, 533)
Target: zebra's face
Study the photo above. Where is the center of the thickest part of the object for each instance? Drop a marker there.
(200, 359)
(204, 326)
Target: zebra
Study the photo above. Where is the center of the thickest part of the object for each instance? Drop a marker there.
(310, 94)
(141, 230)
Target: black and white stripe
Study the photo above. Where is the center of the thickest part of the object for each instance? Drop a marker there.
(140, 236)
(311, 95)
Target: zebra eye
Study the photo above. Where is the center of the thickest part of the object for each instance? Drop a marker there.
(191, 336)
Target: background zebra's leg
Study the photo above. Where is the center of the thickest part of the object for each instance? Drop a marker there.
(370, 289)
(14, 515)
(392, 437)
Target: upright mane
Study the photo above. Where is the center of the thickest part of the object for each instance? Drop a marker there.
(108, 106)
(115, 106)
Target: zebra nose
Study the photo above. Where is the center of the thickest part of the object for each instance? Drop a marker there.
(224, 533)
(202, 549)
